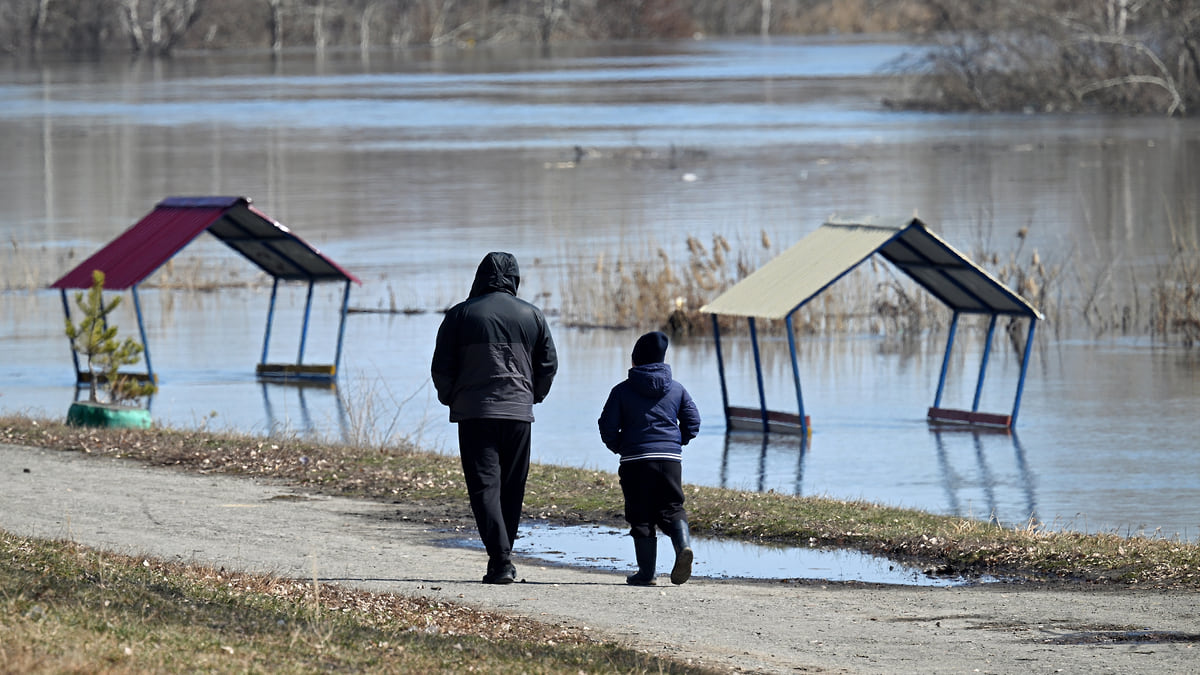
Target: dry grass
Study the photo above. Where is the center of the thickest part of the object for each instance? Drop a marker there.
(68, 608)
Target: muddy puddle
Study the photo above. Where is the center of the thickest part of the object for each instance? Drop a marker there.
(608, 548)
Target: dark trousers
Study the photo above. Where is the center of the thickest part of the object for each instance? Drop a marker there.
(653, 492)
(495, 462)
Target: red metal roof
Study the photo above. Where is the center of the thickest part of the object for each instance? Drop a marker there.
(127, 260)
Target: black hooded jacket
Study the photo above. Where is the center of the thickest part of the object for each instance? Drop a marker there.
(494, 357)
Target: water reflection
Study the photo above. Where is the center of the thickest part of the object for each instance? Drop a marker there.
(608, 548)
(308, 428)
(955, 482)
(780, 447)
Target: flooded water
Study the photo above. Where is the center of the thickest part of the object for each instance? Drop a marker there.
(611, 549)
(407, 167)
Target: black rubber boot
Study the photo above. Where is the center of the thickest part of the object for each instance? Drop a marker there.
(681, 539)
(646, 550)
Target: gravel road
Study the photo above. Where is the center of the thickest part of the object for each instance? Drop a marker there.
(757, 626)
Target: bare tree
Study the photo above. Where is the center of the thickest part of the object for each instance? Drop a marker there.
(155, 26)
(364, 25)
(23, 24)
(276, 22)
(1122, 55)
(553, 12)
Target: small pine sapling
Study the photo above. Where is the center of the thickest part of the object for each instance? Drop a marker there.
(105, 354)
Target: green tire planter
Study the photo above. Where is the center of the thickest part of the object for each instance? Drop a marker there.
(87, 414)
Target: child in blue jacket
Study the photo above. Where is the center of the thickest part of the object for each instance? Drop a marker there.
(647, 420)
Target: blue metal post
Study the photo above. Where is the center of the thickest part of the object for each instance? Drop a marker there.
(337, 360)
(1024, 369)
(137, 306)
(796, 376)
(67, 313)
(721, 368)
(304, 328)
(987, 351)
(762, 396)
(937, 400)
(270, 320)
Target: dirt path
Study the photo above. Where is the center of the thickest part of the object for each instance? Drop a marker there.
(758, 626)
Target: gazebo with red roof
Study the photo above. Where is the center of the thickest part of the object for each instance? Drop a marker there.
(173, 224)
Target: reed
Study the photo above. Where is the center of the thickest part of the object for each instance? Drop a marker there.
(649, 290)
(28, 269)
(1175, 297)
(641, 288)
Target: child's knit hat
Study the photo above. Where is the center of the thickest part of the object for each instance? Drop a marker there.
(650, 348)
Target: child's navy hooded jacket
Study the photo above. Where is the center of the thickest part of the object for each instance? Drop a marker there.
(649, 416)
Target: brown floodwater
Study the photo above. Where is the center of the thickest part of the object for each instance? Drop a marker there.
(406, 167)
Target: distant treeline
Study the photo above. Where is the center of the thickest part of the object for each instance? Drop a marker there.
(1031, 55)
(158, 27)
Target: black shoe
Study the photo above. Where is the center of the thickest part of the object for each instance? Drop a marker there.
(504, 573)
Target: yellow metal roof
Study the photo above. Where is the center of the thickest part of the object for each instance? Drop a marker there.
(784, 284)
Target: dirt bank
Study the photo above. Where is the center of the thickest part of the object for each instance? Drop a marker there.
(263, 526)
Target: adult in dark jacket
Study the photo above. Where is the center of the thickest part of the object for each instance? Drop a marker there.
(647, 420)
(494, 359)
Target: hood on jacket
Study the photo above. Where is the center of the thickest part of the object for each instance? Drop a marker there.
(651, 380)
(497, 271)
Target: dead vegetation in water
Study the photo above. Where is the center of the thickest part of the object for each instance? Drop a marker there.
(651, 291)
(636, 289)
(29, 269)
(643, 291)
(1176, 295)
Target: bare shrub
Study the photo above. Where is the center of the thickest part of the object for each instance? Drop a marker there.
(1059, 56)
